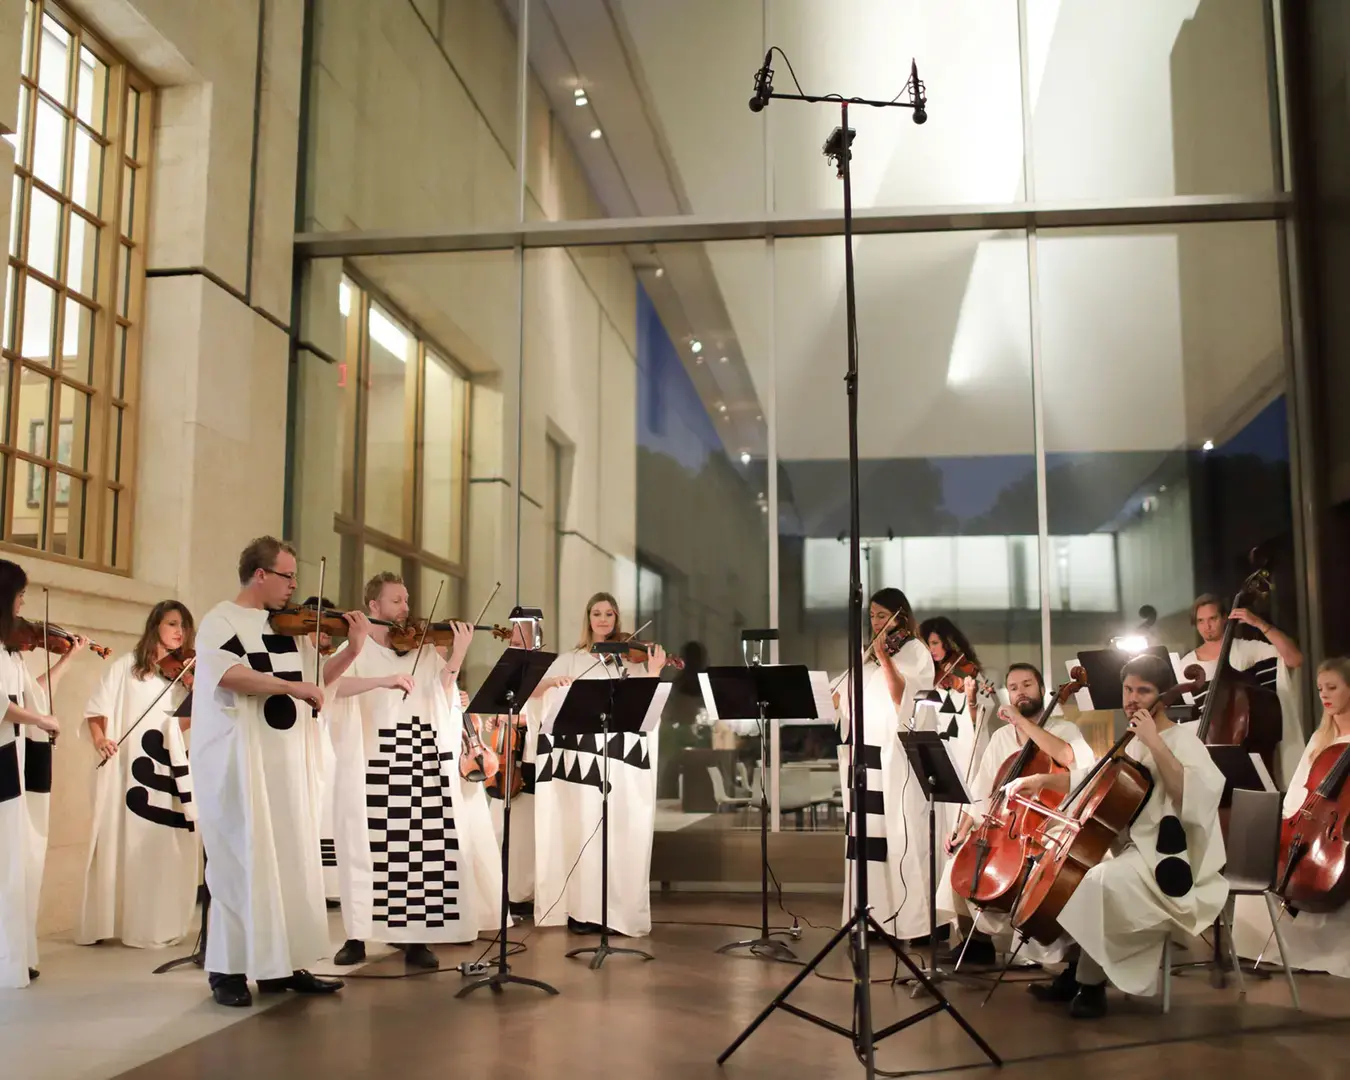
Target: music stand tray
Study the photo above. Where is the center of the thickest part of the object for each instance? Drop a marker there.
(761, 693)
(505, 691)
(604, 707)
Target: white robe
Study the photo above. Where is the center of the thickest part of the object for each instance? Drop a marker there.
(1315, 942)
(253, 762)
(1002, 744)
(567, 816)
(1270, 671)
(25, 804)
(1167, 878)
(140, 879)
(406, 832)
(897, 813)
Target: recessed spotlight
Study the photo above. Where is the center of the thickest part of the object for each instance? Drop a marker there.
(1208, 445)
(660, 271)
(580, 100)
(723, 359)
(595, 133)
(721, 407)
(745, 457)
(759, 417)
(698, 360)
(696, 346)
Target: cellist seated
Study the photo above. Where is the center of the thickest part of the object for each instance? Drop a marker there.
(1166, 875)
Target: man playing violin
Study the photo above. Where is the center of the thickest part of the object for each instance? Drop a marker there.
(415, 849)
(1165, 878)
(253, 757)
(1064, 743)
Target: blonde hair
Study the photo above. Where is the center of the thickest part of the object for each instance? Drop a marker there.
(1325, 734)
(587, 639)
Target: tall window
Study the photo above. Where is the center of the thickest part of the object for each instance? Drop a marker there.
(402, 475)
(73, 295)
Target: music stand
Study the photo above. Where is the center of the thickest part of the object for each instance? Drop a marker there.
(1103, 673)
(762, 694)
(940, 781)
(197, 957)
(601, 707)
(506, 689)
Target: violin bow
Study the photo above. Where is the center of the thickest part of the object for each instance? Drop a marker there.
(176, 680)
(46, 619)
(871, 649)
(426, 626)
(318, 627)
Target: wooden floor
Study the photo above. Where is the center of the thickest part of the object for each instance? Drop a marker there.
(670, 1018)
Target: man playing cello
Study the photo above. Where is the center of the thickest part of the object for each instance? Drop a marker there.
(1166, 875)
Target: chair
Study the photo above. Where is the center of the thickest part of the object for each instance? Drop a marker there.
(1253, 862)
(719, 788)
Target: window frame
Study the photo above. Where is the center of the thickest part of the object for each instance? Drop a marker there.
(349, 519)
(104, 537)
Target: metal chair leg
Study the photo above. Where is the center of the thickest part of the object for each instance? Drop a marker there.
(1284, 953)
(1226, 917)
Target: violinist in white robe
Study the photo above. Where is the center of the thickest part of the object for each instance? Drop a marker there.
(1166, 876)
(1316, 942)
(897, 668)
(141, 875)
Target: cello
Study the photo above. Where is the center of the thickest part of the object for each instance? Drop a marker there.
(1314, 843)
(1104, 803)
(1238, 710)
(988, 868)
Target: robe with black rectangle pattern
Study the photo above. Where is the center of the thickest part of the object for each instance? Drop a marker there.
(141, 876)
(896, 853)
(415, 852)
(1166, 874)
(568, 799)
(1263, 661)
(25, 806)
(254, 770)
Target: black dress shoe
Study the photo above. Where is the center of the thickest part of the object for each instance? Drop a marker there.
(1089, 1003)
(419, 956)
(521, 909)
(980, 953)
(33, 973)
(352, 952)
(232, 991)
(576, 926)
(1059, 990)
(302, 982)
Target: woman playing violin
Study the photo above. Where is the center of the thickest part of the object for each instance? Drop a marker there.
(567, 793)
(1165, 879)
(898, 668)
(140, 883)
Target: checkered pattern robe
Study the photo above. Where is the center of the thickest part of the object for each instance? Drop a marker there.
(25, 798)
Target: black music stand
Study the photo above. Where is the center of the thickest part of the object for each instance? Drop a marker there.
(1103, 673)
(940, 782)
(508, 686)
(601, 707)
(761, 694)
(197, 958)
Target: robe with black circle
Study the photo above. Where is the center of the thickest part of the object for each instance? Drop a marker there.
(254, 769)
(25, 803)
(140, 882)
(1165, 878)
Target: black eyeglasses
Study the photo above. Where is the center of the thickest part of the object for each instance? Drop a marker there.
(289, 577)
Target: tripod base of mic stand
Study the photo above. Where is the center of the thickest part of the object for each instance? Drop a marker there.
(196, 960)
(765, 948)
(864, 1040)
(496, 982)
(603, 950)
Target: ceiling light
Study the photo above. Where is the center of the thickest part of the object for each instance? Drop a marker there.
(660, 271)
(721, 407)
(1134, 644)
(723, 359)
(580, 100)
(696, 346)
(760, 417)
(1208, 445)
(698, 360)
(745, 457)
(595, 133)
(579, 96)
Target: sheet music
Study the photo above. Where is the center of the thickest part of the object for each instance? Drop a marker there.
(708, 703)
(820, 691)
(1267, 783)
(1082, 698)
(657, 706)
(1188, 698)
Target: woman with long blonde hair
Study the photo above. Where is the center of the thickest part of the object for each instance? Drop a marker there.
(568, 779)
(1315, 942)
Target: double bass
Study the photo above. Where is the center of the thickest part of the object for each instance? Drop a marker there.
(1238, 710)
(1315, 842)
(1070, 844)
(990, 865)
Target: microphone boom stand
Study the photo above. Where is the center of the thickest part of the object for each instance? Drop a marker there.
(861, 1033)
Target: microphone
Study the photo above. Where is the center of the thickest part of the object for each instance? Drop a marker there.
(918, 96)
(763, 84)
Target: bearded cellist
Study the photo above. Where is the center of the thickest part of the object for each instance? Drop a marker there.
(1166, 875)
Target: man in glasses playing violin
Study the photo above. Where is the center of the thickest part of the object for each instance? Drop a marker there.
(415, 850)
(1165, 878)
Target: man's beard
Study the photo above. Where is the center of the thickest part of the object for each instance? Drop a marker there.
(1029, 707)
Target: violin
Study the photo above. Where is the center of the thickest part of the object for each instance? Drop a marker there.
(990, 865)
(299, 622)
(1313, 843)
(174, 664)
(1239, 711)
(639, 651)
(405, 637)
(504, 737)
(1107, 800)
(27, 636)
(955, 672)
(477, 762)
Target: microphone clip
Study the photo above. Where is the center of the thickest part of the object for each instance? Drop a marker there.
(763, 86)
